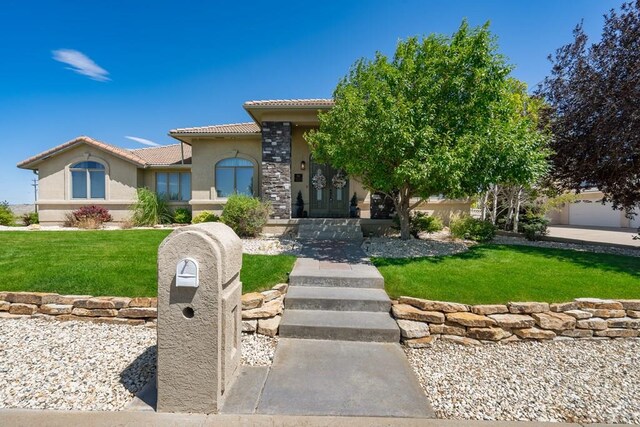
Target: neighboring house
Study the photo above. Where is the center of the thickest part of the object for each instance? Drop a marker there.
(589, 211)
(267, 158)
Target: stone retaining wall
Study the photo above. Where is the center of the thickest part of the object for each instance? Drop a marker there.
(422, 322)
(260, 311)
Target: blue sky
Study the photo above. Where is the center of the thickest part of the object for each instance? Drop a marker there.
(144, 67)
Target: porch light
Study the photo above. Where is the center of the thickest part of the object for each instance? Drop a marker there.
(303, 165)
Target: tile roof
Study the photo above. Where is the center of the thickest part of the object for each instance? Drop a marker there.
(314, 102)
(117, 151)
(164, 155)
(239, 128)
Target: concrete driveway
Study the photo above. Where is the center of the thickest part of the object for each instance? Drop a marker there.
(614, 236)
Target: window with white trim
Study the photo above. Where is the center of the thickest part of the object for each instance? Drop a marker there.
(234, 176)
(88, 180)
(174, 185)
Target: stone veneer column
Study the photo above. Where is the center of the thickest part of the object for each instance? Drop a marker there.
(276, 167)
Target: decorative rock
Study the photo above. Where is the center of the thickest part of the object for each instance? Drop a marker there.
(36, 298)
(635, 314)
(489, 334)
(271, 295)
(447, 330)
(249, 326)
(512, 338)
(97, 312)
(411, 329)
(627, 304)
(597, 303)
(605, 312)
(143, 302)
(489, 309)
(282, 287)
(70, 299)
(269, 327)
(22, 308)
(460, 340)
(579, 314)
(251, 300)
(409, 312)
(528, 307)
(139, 312)
(470, 320)
(7, 315)
(577, 333)
(94, 303)
(420, 342)
(120, 302)
(554, 321)
(119, 321)
(535, 333)
(56, 309)
(624, 322)
(563, 306)
(593, 323)
(617, 333)
(513, 320)
(270, 309)
(427, 305)
(4, 305)
(3, 295)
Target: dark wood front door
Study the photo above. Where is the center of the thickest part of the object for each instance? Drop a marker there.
(328, 192)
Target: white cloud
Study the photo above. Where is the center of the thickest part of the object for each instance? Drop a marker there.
(143, 141)
(81, 64)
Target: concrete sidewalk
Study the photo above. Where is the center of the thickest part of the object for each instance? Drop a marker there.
(48, 418)
(596, 235)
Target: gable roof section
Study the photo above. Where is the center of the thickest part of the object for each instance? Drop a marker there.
(164, 155)
(112, 149)
(248, 128)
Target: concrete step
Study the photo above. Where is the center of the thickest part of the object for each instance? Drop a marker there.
(324, 227)
(329, 221)
(311, 272)
(339, 325)
(337, 299)
(331, 235)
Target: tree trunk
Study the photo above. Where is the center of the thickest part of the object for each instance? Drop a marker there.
(483, 205)
(511, 194)
(494, 213)
(516, 217)
(403, 209)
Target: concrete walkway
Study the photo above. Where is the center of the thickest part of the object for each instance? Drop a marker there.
(339, 351)
(597, 235)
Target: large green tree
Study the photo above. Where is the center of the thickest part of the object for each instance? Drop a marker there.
(441, 117)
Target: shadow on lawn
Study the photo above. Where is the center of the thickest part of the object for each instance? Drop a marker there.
(605, 262)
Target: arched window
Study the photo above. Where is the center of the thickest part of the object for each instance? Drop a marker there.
(87, 180)
(234, 175)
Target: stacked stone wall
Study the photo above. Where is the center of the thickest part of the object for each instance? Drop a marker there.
(276, 168)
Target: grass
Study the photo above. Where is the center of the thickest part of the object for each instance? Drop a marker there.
(101, 263)
(501, 273)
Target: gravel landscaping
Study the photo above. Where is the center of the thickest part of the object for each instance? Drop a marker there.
(271, 246)
(508, 240)
(85, 366)
(390, 247)
(583, 381)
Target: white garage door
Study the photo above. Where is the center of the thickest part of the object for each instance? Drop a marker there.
(593, 214)
(635, 222)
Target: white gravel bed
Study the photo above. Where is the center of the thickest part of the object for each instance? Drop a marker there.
(393, 247)
(85, 366)
(271, 246)
(585, 247)
(581, 381)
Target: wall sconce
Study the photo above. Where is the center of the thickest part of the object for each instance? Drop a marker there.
(303, 165)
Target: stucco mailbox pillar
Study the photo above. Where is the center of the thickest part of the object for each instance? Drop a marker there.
(199, 308)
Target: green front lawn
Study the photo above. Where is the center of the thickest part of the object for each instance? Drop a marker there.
(501, 273)
(101, 263)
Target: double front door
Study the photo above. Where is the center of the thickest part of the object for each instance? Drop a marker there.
(328, 192)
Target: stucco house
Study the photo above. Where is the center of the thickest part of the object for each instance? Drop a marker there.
(266, 157)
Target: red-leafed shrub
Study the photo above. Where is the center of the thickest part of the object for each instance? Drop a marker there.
(91, 216)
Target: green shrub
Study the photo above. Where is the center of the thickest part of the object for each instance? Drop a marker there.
(420, 222)
(245, 215)
(469, 228)
(30, 218)
(205, 216)
(182, 216)
(150, 209)
(534, 226)
(6, 215)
